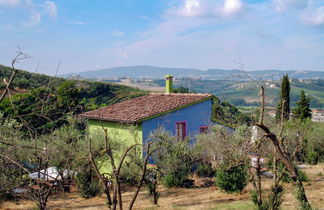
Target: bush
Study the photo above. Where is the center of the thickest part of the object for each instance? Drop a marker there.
(232, 180)
(130, 174)
(205, 170)
(312, 157)
(88, 184)
(272, 201)
(175, 160)
(174, 179)
(302, 176)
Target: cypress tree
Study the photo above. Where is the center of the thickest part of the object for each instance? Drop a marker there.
(284, 97)
(302, 111)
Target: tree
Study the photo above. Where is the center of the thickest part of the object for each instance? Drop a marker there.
(302, 111)
(284, 103)
(108, 154)
(279, 150)
(67, 94)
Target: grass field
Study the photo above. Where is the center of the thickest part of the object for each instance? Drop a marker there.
(196, 198)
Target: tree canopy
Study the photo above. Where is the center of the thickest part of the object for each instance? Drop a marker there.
(284, 102)
(302, 110)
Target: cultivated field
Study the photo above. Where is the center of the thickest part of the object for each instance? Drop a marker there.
(196, 198)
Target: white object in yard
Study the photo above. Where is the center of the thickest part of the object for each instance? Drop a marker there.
(50, 174)
(254, 136)
(302, 166)
(254, 161)
(268, 174)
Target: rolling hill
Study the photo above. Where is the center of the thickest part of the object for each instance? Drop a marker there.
(154, 72)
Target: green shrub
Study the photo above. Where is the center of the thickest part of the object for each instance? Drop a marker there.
(272, 201)
(312, 157)
(205, 170)
(232, 180)
(88, 184)
(302, 176)
(174, 179)
(175, 160)
(130, 174)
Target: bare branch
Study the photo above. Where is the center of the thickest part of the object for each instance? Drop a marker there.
(20, 55)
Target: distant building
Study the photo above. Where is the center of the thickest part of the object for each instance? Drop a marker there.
(317, 116)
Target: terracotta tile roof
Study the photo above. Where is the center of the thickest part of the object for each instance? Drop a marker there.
(137, 109)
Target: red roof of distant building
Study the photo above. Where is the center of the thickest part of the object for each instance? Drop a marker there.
(137, 109)
(318, 111)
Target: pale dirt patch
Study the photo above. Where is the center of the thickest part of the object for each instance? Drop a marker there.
(196, 198)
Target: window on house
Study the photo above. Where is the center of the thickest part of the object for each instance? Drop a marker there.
(203, 129)
(181, 130)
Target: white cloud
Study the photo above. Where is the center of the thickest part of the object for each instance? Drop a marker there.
(282, 5)
(10, 3)
(117, 33)
(51, 8)
(191, 8)
(207, 8)
(314, 16)
(232, 7)
(27, 13)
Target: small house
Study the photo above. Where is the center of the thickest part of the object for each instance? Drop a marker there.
(134, 120)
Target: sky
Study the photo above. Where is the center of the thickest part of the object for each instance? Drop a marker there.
(86, 35)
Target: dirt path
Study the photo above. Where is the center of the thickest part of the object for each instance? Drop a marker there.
(197, 198)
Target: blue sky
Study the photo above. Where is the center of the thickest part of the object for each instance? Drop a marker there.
(88, 35)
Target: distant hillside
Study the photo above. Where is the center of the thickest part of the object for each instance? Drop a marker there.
(135, 72)
(245, 93)
(99, 93)
(41, 103)
(159, 72)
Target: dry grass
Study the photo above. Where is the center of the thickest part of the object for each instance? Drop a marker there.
(197, 198)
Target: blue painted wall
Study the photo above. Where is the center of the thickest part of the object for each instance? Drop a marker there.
(195, 116)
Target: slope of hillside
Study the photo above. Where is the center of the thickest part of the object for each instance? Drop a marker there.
(41, 103)
(98, 92)
(243, 93)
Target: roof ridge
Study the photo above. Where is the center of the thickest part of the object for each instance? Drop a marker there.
(136, 109)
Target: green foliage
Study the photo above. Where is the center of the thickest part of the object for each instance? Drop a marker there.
(272, 201)
(151, 181)
(284, 102)
(205, 170)
(275, 197)
(174, 159)
(177, 179)
(26, 80)
(227, 114)
(301, 197)
(233, 179)
(88, 184)
(306, 135)
(301, 175)
(302, 110)
(48, 101)
(130, 174)
(222, 144)
(312, 157)
(180, 89)
(67, 94)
